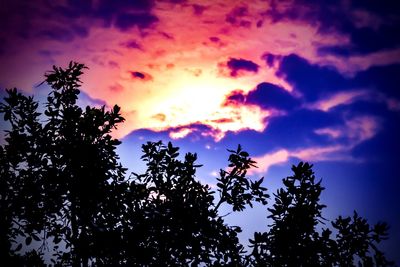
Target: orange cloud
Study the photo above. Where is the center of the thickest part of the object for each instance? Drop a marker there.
(180, 133)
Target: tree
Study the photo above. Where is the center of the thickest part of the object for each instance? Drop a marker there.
(62, 187)
(185, 225)
(61, 182)
(60, 176)
(293, 238)
(20, 170)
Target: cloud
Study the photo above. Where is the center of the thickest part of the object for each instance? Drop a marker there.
(198, 9)
(340, 98)
(344, 139)
(167, 36)
(216, 42)
(216, 124)
(214, 39)
(66, 20)
(132, 44)
(239, 16)
(311, 154)
(370, 26)
(385, 147)
(311, 80)
(331, 132)
(181, 133)
(266, 161)
(271, 59)
(62, 33)
(271, 96)
(141, 75)
(326, 153)
(239, 66)
(353, 131)
(160, 117)
(361, 128)
(268, 96)
(125, 21)
(235, 98)
(277, 65)
(116, 88)
(325, 88)
(235, 119)
(366, 41)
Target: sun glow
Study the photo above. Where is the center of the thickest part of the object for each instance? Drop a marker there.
(200, 99)
(173, 77)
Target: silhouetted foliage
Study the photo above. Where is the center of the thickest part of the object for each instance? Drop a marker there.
(64, 196)
(293, 238)
(61, 175)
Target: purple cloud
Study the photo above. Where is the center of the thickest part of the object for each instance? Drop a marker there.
(371, 26)
(132, 44)
(236, 65)
(198, 9)
(25, 19)
(141, 75)
(125, 21)
(237, 17)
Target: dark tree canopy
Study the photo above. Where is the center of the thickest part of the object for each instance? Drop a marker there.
(293, 238)
(65, 198)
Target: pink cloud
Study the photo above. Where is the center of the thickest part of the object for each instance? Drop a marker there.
(331, 132)
(356, 129)
(349, 97)
(334, 152)
(312, 154)
(341, 98)
(362, 128)
(266, 161)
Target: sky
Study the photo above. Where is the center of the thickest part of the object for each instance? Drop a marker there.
(290, 81)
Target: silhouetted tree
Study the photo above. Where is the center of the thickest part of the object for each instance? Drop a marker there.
(62, 184)
(83, 159)
(63, 190)
(60, 176)
(294, 239)
(20, 169)
(176, 222)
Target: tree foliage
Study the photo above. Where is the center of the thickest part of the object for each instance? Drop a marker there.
(65, 196)
(293, 238)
